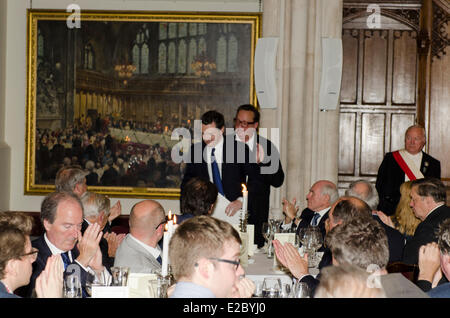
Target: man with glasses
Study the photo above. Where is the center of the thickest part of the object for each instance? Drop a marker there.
(270, 171)
(139, 250)
(204, 254)
(17, 256)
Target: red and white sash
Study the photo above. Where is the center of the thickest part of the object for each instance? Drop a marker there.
(408, 166)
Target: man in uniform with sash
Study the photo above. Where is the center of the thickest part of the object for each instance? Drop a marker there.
(403, 165)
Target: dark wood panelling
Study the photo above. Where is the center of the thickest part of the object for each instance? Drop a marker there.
(347, 127)
(404, 68)
(372, 142)
(375, 66)
(350, 65)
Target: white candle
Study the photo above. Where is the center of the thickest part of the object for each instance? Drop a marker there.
(165, 256)
(170, 223)
(245, 195)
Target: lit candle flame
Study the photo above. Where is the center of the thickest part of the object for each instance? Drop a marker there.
(174, 219)
(244, 188)
(166, 227)
(169, 217)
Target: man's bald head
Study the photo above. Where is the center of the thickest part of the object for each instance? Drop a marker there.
(145, 217)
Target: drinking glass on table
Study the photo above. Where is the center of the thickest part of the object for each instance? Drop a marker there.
(301, 290)
(120, 276)
(72, 286)
(312, 241)
(267, 234)
(271, 287)
(99, 279)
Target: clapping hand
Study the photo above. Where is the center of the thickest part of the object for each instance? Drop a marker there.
(429, 263)
(89, 248)
(114, 241)
(289, 209)
(49, 284)
(289, 257)
(115, 211)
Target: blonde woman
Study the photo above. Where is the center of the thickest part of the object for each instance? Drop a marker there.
(404, 219)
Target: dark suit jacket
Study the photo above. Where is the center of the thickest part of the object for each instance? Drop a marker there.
(307, 216)
(396, 241)
(259, 186)
(425, 233)
(107, 261)
(233, 172)
(41, 261)
(390, 177)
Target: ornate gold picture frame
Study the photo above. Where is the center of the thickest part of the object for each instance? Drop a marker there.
(105, 90)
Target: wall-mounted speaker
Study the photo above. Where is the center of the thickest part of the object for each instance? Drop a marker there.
(265, 77)
(330, 84)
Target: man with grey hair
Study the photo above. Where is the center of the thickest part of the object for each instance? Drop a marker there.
(139, 250)
(366, 191)
(73, 179)
(320, 197)
(97, 210)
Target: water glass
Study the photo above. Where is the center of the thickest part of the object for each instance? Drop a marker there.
(120, 275)
(158, 287)
(72, 286)
(99, 279)
(301, 290)
(271, 287)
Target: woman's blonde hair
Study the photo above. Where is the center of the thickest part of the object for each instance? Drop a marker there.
(404, 216)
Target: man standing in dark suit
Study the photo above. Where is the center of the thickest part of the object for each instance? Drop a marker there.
(62, 216)
(366, 191)
(270, 171)
(221, 160)
(407, 164)
(428, 197)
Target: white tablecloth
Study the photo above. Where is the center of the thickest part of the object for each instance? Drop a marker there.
(263, 267)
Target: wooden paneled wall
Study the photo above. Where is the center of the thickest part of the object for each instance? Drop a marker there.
(383, 82)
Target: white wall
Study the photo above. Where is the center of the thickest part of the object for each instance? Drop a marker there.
(13, 84)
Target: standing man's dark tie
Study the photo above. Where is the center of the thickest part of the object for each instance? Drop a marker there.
(216, 174)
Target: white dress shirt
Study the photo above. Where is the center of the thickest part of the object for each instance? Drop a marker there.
(416, 159)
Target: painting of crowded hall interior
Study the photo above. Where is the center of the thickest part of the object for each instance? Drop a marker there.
(108, 94)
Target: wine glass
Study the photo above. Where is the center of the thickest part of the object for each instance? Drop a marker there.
(99, 279)
(271, 287)
(312, 241)
(267, 232)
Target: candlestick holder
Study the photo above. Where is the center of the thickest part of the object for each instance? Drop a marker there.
(243, 221)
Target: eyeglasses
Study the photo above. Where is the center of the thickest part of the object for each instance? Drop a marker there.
(235, 263)
(33, 254)
(162, 222)
(244, 123)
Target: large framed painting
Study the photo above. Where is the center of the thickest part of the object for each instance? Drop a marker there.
(106, 89)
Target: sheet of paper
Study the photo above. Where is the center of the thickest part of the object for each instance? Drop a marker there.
(219, 211)
(138, 285)
(109, 292)
(282, 238)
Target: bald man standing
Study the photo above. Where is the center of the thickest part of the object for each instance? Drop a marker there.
(139, 250)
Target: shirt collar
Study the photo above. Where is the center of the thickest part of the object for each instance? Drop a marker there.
(437, 206)
(54, 249)
(250, 141)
